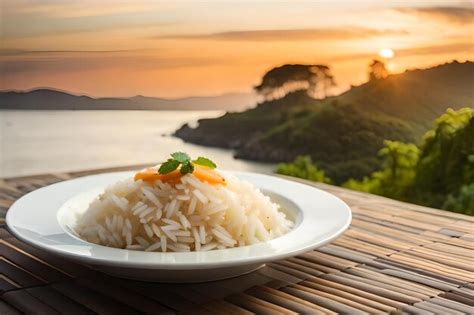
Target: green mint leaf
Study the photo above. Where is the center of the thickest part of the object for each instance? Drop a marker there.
(205, 162)
(186, 168)
(168, 166)
(181, 157)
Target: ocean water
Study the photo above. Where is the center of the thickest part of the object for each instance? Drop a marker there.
(36, 142)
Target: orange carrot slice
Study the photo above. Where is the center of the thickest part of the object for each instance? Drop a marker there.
(203, 173)
(206, 174)
(171, 177)
(151, 174)
(147, 175)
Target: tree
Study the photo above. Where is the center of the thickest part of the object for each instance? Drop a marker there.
(439, 174)
(447, 160)
(303, 167)
(462, 202)
(321, 82)
(397, 173)
(317, 80)
(377, 70)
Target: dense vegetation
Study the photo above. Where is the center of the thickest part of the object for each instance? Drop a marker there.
(316, 80)
(342, 133)
(439, 174)
(347, 142)
(346, 134)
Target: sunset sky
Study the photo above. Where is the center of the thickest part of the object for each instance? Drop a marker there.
(183, 48)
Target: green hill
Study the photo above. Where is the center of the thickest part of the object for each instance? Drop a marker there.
(343, 133)
(419, 95)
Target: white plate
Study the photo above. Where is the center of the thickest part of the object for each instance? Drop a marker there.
(45, 218)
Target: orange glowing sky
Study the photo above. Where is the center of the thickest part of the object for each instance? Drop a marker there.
(179, 48)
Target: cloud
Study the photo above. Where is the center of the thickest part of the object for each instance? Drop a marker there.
(436, 49)
(452, 14)
(75, 8)
(288, 34)
(412, 51)
(14, 62)
(20, 52)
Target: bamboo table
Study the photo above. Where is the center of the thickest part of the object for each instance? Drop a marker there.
(396, 257)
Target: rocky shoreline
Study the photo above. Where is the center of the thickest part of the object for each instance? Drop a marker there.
(252, 150)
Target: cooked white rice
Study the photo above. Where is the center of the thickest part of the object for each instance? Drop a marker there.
(189, 216)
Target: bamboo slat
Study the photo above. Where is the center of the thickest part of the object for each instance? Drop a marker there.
(395, 257)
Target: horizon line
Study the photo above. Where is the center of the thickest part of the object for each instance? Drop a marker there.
(79, 94)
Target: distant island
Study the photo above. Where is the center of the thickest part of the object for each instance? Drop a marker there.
(341, 133)
(50, 99)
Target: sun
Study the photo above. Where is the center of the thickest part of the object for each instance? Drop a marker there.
(386, 53)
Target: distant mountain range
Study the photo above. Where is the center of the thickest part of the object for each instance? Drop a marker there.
(50, 99)
(342, 133)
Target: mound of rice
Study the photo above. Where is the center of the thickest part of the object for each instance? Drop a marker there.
(189, 216)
